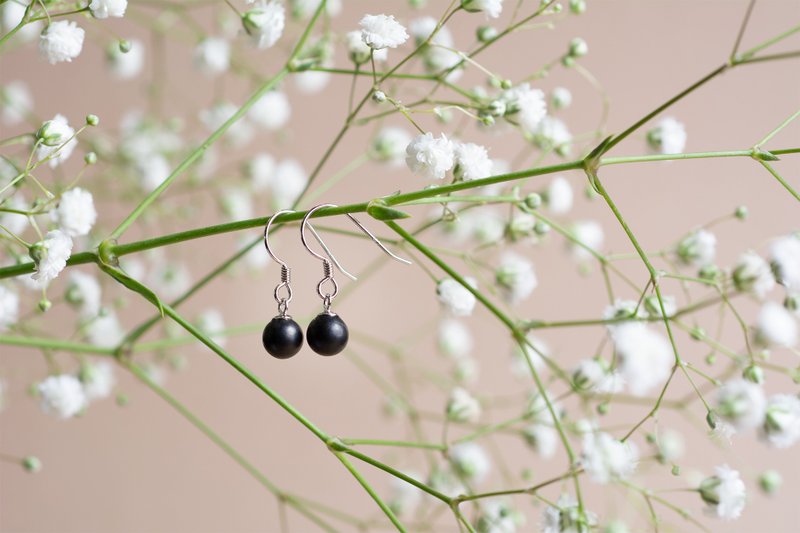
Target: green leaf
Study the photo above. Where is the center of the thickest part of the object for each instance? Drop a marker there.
(379, 210)
(133, 285)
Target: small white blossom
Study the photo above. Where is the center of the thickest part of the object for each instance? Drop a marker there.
(645, 356)
(240, 132)
(670, 446)
(566, 517)
(170, 279)
(455, 339)
(497, 516)
(492, 8)
(14, 222)
(126, 65)
(9, 307)
(724, 493)
(471, 461)
(62, 396)
(776, 326)
(389, 145)
(84, 293)
(97, 379)
(75, 212)
(595, 376)
(516, 278)
(456, 298)
(430, 157)
(542, 439)
(403, 496)
(264, 23)
(463, 407)
(271, 111)
(472, 162)
(56, 141)
(741, 404)
(213, 56)
(261, 171)
(306, 8)
(105, 330)
(653, 306)
(16, 101)
(552, 134)
(358, 50)
(561, 98)
(102, 9)
(62, 40)
(752, 273)
(698, 248)
(50, 255)
(289, 182)
(781, 426)
(533, 351)
(382, 31)
(590, 234)
(152, 171)
(527, 105)
(785, 259)
(559, 196)
(444, 480)
(421, 28)
(312, 81)
(212, 323)
(668, 137)
(237, 203)
(605, 458)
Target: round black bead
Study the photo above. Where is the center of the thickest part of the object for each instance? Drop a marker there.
(327, 334)
(282, 337)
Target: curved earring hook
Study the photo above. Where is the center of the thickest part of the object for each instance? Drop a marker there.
(328, 251)
(266, 236)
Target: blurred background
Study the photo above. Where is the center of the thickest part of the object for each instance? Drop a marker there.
(143, 467)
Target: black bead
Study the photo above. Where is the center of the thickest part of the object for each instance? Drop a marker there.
(282, 337)
(327, 334)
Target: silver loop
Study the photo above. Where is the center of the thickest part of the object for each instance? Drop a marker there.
(288, 297)
(283, 308)
(328, 295)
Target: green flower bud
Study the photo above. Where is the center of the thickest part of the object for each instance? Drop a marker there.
(533, 200)
(578, 47)
(741, 212)
(32, 464)
(578, 7)
(90, 158)
(49, 135)
(754, 374)
(124, 46)
(379, 97)
(697, 333)
(486, 34)
(770, 481)
(676, 470)
(92, 120)
(792, 302)
(711, 420)
(44, 305)
(709, 490)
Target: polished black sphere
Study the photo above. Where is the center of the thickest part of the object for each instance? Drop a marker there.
(327, 334)
(282, 337)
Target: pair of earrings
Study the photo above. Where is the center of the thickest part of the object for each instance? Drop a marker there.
(327, 334)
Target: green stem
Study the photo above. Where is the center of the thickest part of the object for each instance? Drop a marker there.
(54, 344)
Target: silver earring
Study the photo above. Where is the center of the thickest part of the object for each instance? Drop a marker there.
(282, 336)
(327, 334)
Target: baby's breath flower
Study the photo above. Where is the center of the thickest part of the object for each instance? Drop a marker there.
(212, 323)
(653, 306)
(776, 326)
(526, 104)
(559, 196)
(261, 170)
(516, 277)
(264, 23)
(84, 293)
(237, 203)
(542, 439)
(239, 133)
(454, 339)
(752, 273)
(11, 14)
(62, 40)
(567, 517)
(14, 222)
(170, 279)
(781, 426)
(497, 516)
(492, 8)
(305, 8)
(605, 458)
(724, 493)
(16, 102)
(382, 31)
(152, 170)
(50, 255)
(389, 145)
(75, 212)
(403, 496)
(590, 234)
(9, 307)
(668, 137)
(126, 65)
(471, 461)
(531, 354)
(105, 330)
(785, 260)
(560, 98)
(358, 50)
(472, 162)
(271, 111)
(670, 446)
(741, 404)
(97, 379)
(455, 297)
(595, 375)
(645, 357)
(463, 407)
(289, 182)
(430, 157)
(56, 141)
(102, 9)
(698, 248)
(212, 56)
(552, 134)
(62, 396)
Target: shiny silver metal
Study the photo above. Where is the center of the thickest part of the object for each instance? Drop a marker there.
(286, 272)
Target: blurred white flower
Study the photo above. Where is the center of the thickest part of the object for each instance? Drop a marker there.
(781, 426)
(752, 273)
(528, 105)
(552, 134)
(264, 23)
(389, 145)
(170, 279)
(105, 330)
(152, 171)
(271, 111)
(516, 277)
(126, 65)
(430, 157)
(741, 404)
(382, 31)
(492, 8)
(455, 339)
(561, 98)
(463, 407)
(358, 50)
(213, 118)
(9, 307)
(56, 141)
(670, 446)
(606, 459)
(531, 352)
(62, 396)
(645, 357)
(16, 101)
(11, 13)
(785, 259)
(213, 55)
(312, 81)
(306, 8)
(84, 293)
(212, 323)
(497, 516)
(724, 493)
(594, 375)
(50, 255)
(14, 222)
(456, 298)
(62, 40)
(403, 496)
(261, 171)
(471, 461)
(97, 379)
(698, 248)
(542, 439)
(775, 326)
(471, 161)
(668, 137)
(559, 196)
(237, 203)
(590, 234)
(102, 9)
(566, 517)
(289, 182)
(75, 212)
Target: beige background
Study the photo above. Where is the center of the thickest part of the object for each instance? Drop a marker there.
(144, 468)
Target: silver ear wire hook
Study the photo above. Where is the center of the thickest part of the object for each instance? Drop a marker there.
(286, 273)
(328, 251)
